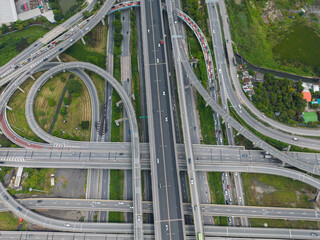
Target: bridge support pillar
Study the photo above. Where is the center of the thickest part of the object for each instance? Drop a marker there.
(21, 89)
(133, 97)
(82, 39)
(118, 103)
(32, 77)
(102, 21)
(318, 196)
(9, 108)
(119, 120)
(58, 58)
(288, 149)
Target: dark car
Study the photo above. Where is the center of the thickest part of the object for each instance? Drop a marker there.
(1, 162)
(244, 155)
(39, 201)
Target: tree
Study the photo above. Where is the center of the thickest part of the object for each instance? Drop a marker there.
(74, 87)
(63, 111)
(51, 102)
(66, 100)
(86, 14)
(84, 125)
(4, 28)
(251, 72)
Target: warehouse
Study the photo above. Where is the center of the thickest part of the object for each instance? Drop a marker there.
(8, 12)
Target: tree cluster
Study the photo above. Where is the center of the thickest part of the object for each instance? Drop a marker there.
(74, 87)
(117, 30)
(280, 99)
(59, 14)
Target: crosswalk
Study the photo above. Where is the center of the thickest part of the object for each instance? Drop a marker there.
(13, 159)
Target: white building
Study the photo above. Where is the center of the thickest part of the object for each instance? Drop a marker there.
(315, 88)
(8, 12)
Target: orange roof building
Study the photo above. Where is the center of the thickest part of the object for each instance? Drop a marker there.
(307, 96)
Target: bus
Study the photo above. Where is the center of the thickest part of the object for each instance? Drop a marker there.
(199, 236)
(234, 61)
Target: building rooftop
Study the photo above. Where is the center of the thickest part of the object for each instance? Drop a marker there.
(307, 96)
(8, 11)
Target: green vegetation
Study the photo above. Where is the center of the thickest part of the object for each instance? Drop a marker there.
(116, 217)
(95, 49)
(134, 67)
(74, 87)
(37, 180)
(85, 125)
(79, 52)
(17, 118)
(50, 92)
(116, 131)
(215, 184)
(5, 142)
(276, 191)
(311, 117)
(63, 10)
(206, 122)
(293, 48)
(68, 122)
(12, 44)
(116, 186)
(4, 171)
(271, 41)
(116, 193)
(216, 195)
(99, 83)
(9, 222)
(280, 223)
(117, 46)
(280, 99)
(275, 143)
(197, 10)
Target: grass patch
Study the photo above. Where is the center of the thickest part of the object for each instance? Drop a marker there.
(9, 222)
(37, 180)
(206, 121)
(280, 223)
(116, 193)
(116, 217)
(278, 44)
(215, 185)
(79, 110)
(299, 44)
(52, 89)
(16, 117)
(95, 49)
(116, 186)
(99, 83)
(276, 191)
(134, 67)
(13, 43)
(5, 142)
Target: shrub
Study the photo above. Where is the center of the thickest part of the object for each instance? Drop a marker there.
(84, 125)
(51, 102)
(66, 100)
